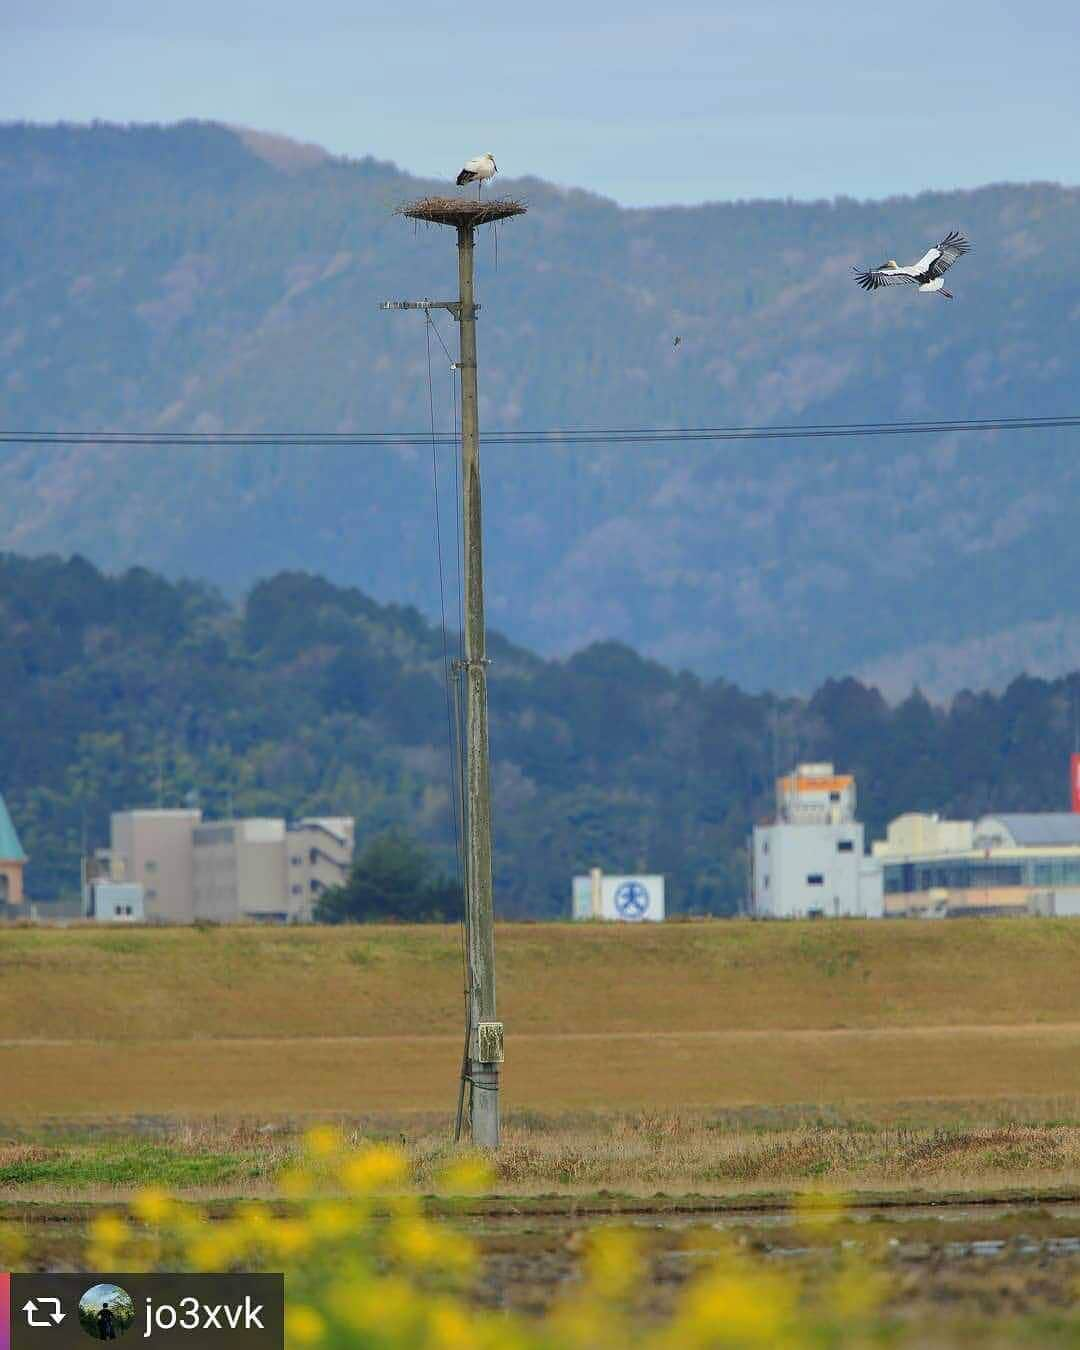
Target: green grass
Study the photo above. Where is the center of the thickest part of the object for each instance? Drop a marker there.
(125, 1164)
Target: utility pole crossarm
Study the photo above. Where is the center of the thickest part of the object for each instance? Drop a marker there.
(454, 306)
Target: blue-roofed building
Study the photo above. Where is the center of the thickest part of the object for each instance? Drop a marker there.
(1010, 863)
(12, 860)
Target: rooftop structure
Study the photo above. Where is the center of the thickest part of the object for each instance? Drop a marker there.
(815, 794)
(811, 861)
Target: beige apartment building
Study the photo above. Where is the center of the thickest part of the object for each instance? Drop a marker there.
(229, 871)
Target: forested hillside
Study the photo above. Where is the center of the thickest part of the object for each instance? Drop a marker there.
(312, 698)
(193, 278)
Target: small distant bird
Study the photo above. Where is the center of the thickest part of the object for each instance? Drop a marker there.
(477, 171)
(926, 273)
(676, 343)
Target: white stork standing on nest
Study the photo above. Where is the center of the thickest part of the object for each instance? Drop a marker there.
(478, 170)
(926, 273)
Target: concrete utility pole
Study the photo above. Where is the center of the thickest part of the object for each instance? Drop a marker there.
(484, 1050)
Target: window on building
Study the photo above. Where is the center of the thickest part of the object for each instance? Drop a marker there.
(150, 865)
(834, 796)
(764, 846)
(845, 846)
(766, 881)
(316, 885)
(298, 890)
(151, 895)
(297, 859)
(815, 879)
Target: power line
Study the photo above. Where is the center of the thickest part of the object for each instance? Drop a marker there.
(556, 436)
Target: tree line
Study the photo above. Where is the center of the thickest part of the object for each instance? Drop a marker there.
(310, 698)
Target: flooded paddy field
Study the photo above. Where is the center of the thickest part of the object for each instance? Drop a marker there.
(1012, 1260)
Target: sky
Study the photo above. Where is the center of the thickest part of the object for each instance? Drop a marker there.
(647, 103)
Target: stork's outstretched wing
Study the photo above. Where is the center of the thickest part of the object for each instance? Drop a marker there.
(937, 261)
(883, 276)
(953, 246)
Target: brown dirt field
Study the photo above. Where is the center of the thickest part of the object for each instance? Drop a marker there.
(316, 1021)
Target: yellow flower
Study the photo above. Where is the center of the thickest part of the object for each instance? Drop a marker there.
(289, 1236)
(416, 1242)
(152, 1205)
(295, 1184)
(470, 1175)
(374, 1169)
(108, 1230)
(12, 1248)
(214, 1249)
(303, 1325)
(255, 1220)
(389, 1306)
(419, 1243)
(333, 1219)
(449, 1328)
(856, 1291)
(818, 1209)
(324, 1141)
(743, 1309)
(612, 1262)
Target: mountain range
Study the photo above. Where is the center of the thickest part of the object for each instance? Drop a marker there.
(203, 278)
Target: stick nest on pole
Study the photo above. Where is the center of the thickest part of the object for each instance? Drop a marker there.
(461, 210)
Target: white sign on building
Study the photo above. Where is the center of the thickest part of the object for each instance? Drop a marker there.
(625, 899)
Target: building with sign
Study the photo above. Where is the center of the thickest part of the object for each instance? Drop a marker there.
(810, 861)
(623, 899)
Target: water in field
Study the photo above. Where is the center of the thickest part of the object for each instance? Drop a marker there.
(1006, 1256)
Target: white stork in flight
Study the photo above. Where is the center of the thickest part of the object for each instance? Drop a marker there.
(478, 170)
(926, 273)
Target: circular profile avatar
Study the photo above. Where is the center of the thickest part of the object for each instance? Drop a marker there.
(106, 1311)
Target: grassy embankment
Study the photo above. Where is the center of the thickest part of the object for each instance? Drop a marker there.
(692, 1056)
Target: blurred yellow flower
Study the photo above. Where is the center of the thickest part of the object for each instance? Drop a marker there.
(109, 1230)
(152, 1205)
(214, 1249)
(856, 1291)
(470, 1175)
(373, 1169)
(744, 1309)
(333, 1219)
(255, 1220)
(303, 1325)
(288, 1237)
(612, 1262)
(818, 1209)
(295, 1184)
(390, 1306)
(449, 1328)
(12, 1248)
(324, 1141)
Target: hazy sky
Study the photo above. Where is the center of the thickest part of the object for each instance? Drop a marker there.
(641, 101)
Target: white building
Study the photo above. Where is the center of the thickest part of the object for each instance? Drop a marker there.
(113, 902)
(811, 861)
(623, 899)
